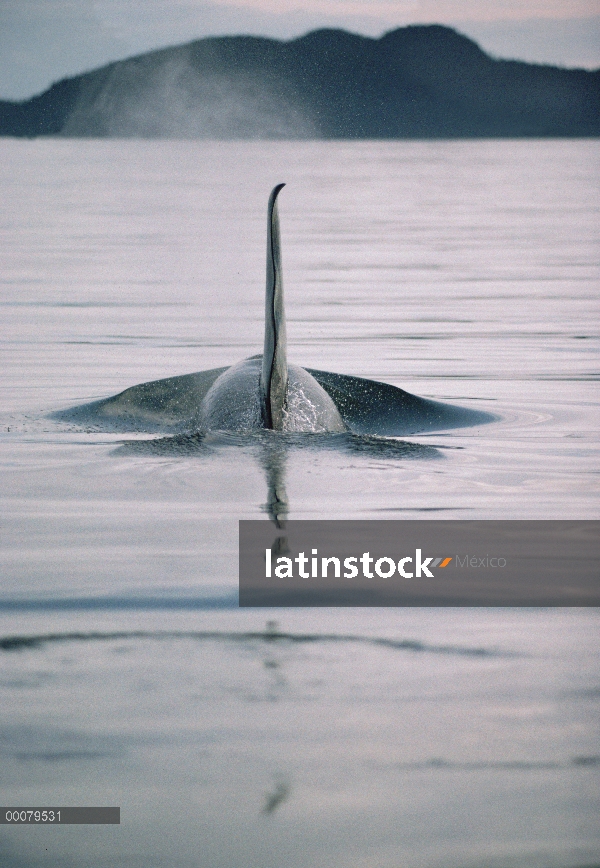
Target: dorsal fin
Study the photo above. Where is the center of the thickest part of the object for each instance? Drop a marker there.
(274, 375)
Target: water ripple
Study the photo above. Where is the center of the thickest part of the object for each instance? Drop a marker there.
(22, 642)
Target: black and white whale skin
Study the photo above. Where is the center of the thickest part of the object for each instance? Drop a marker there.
(264, 392)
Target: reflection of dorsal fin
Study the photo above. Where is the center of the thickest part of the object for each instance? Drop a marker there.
(274, 376)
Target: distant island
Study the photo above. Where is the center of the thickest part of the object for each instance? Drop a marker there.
(417, 82)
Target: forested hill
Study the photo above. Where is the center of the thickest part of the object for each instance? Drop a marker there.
(415, 82)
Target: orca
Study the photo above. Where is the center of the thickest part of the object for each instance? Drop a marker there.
(265, 392)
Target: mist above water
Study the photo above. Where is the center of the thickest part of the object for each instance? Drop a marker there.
(165, 97)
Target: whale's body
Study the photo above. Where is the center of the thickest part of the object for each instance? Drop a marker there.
(233, 402)
(265, 392)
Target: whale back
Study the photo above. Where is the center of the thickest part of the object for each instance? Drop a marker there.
(274, 373)
(264, 392)
(233, 403)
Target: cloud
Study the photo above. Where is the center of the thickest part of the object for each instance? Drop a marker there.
(395, 11)
(568, 43)
(44, 40)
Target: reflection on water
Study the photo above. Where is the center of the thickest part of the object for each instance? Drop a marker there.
(270, 450)
(270, 446)
(279, 794)
(273, 460)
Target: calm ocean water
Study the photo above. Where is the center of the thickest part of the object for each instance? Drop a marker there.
(464, 271)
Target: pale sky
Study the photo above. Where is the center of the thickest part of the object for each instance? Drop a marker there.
(42, 41)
